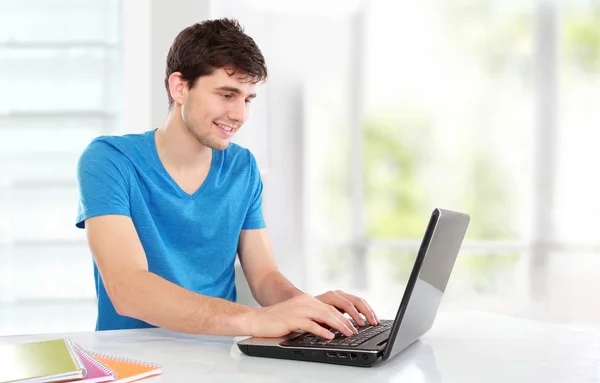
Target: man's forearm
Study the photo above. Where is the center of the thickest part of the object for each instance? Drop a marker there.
(159, 302)
(275, 288)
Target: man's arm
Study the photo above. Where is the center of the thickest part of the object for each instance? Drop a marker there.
(270, 287)
(138, 293)
(141, 294)
(267, 284)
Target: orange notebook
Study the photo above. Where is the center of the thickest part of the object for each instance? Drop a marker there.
(127, 370)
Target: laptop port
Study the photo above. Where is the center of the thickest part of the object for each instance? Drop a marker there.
(331, 354)
(353, 356)
(342, 355)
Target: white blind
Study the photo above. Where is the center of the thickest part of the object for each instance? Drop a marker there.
(60, 69)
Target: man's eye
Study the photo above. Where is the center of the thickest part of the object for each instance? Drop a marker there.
(226, 96)
(248, 101)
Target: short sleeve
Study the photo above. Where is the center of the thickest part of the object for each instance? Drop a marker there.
(254, 216)
(103, 183)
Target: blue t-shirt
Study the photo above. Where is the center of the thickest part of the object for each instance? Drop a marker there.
(190, 240)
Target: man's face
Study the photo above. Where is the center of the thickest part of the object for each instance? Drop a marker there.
(217, 106)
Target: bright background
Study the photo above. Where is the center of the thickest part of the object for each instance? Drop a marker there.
(375, 112)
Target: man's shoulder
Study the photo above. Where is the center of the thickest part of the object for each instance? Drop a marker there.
(122, 142)
(239, 160)
(117, 148)
(235, 149)
(238, 154)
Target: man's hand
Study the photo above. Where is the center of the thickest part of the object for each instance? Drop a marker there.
(301, 313)
(350, 304)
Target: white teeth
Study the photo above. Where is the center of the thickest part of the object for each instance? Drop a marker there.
(227, 128)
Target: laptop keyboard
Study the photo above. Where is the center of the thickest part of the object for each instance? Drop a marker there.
(365, 333)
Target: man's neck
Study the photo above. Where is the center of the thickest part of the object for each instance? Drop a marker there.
(177, 146)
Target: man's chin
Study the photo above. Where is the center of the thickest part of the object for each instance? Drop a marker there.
(215, 143)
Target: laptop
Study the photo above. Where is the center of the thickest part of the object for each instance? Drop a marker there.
(419, 305)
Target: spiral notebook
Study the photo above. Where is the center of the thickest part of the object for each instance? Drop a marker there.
(127, 370)
(96, 371)
(45, 361)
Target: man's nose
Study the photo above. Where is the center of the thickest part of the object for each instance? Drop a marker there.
(238, 112)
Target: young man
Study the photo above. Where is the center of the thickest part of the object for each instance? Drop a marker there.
(167, 211)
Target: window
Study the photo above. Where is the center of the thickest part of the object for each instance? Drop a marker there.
(481, 107)
(60, 68)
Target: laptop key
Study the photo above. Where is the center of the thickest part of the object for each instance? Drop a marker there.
(365, 333)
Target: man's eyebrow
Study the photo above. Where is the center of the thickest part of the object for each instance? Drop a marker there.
(235, 90)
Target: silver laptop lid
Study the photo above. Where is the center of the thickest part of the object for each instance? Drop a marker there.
(428, 280)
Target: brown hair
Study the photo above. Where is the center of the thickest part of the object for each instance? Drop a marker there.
(202, 48)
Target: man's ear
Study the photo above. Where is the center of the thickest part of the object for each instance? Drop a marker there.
(177, 87)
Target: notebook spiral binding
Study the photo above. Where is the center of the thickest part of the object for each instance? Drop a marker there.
(74, 355)
(90, 359)
(126, 360)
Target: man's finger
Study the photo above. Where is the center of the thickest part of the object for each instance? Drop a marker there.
(362, 306)
(343, 304)
(328, 317)
(314, 328)
(343, 319)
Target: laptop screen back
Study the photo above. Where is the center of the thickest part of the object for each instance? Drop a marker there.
(428, 280)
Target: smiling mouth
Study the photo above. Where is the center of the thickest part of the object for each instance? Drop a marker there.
(225, 129)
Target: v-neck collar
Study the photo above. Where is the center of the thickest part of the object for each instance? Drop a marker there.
(172, 182)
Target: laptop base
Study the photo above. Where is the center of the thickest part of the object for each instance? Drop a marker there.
(357, 358)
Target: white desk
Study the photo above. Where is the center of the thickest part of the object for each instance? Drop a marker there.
(461, 347)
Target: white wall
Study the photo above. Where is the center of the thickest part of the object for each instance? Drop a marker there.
(149, 28)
